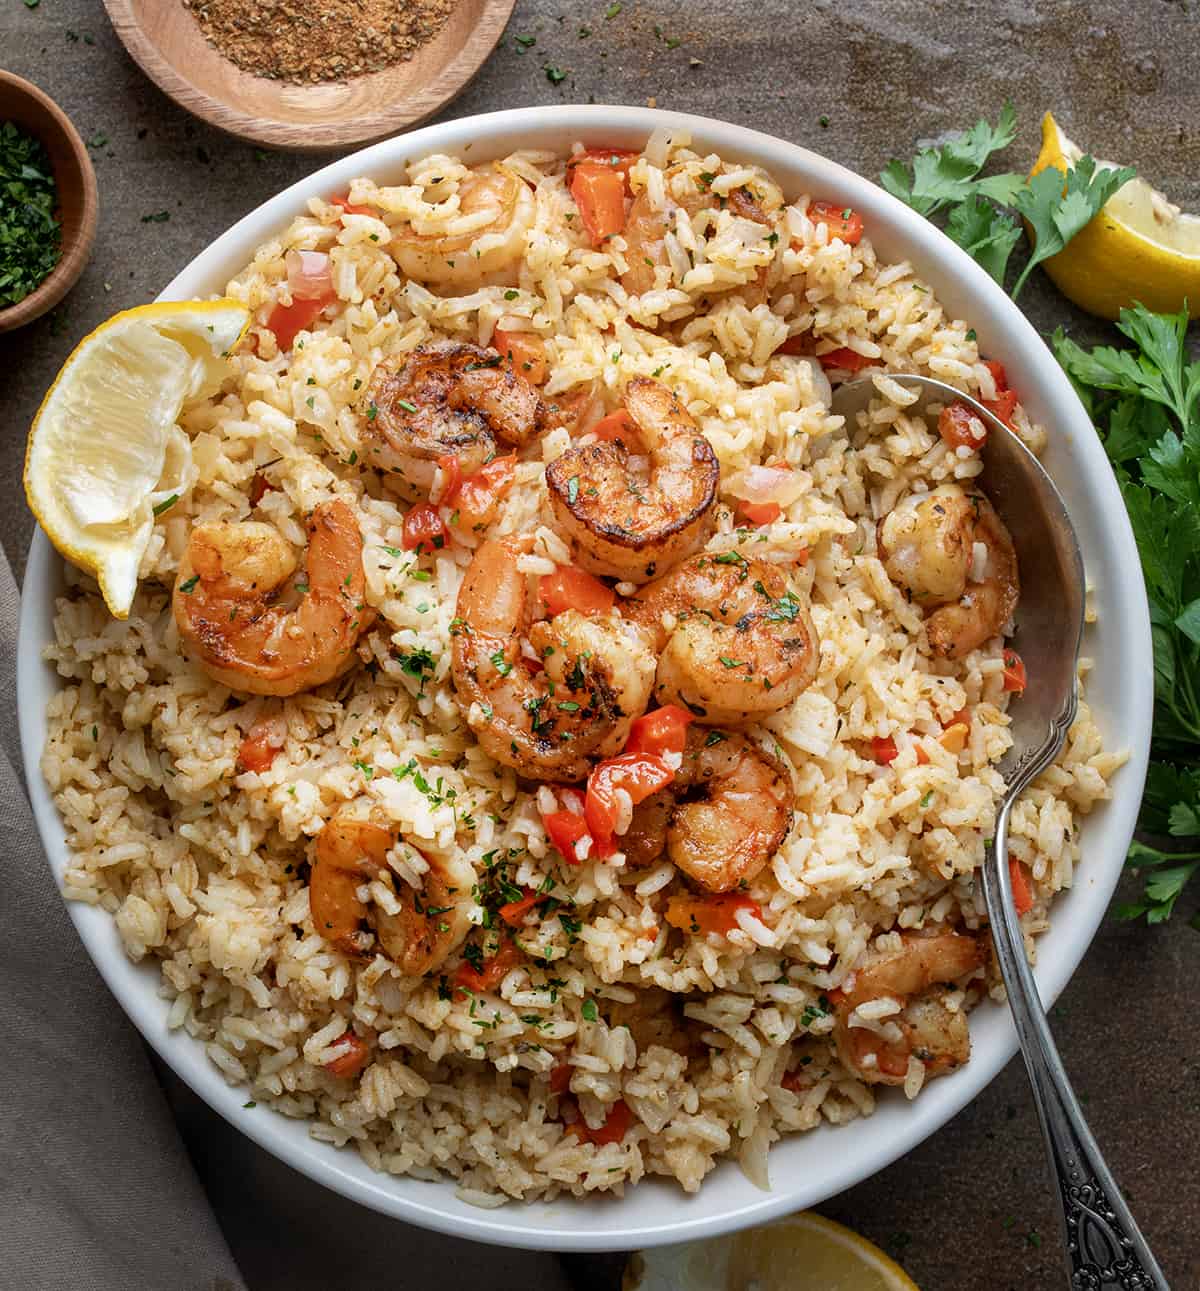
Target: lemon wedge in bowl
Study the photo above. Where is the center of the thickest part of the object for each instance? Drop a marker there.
(804, 1252)
(105, 449)
(1139, 247)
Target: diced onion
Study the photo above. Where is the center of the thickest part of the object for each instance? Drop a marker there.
(309, 274)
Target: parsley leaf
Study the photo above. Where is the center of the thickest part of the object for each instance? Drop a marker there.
(984, 233)
(1056, 212)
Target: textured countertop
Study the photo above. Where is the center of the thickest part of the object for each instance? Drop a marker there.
(970, 1210)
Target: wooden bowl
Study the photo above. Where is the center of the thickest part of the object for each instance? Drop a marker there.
(169, 45)
(37, 114)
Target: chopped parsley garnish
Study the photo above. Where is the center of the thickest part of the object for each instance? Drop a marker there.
(30, 234)
(501, 664)
(166, 504)
(190, 584)
(589, 1010)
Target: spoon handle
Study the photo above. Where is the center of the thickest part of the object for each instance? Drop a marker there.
(1104, 1247)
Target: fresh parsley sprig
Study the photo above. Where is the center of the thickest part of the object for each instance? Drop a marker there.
(1055, 208)
(1145, 403)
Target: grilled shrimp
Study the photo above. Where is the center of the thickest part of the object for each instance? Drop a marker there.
(632, 523)
(429, 924)
(734, 644)
(445, 398)
(724, 816)
(953, 554)
(254, 621)
(595, 677)
(496, 211)
(924, 1028)
(647, 226)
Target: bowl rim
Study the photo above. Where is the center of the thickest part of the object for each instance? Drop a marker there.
(450, 79)
(726, 1201)
(73, 260)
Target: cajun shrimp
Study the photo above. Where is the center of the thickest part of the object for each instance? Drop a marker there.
(447, 398)
(575, 700)
(495, 212)
(734, 644)
(924, 1027)
(254, 620)
(953, 554)
(627, 522)
(724, 816)
(648, 226)
(428, 925)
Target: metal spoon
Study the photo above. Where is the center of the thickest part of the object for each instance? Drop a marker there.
(1104, 1247)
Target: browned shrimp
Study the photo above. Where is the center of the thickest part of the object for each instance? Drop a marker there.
(724, 817)
(254, 622)
(429, 924)
(735, 645)
(447, 398)
(498, 208)
(630, 523)
(953, 554)
(924, 1028)
(547, 724)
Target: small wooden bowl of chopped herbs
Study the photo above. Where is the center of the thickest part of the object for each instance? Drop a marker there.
(310, 74)
(48, 203)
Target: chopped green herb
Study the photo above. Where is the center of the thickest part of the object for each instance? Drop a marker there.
(554, 74)
(166, 504)
(611, 12)
(30, 235)
(589, 1010)
(190, 583)
(156, 217)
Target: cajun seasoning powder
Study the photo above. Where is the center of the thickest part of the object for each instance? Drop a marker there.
(318, 40)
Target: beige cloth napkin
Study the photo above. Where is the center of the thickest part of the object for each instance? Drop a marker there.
(96, 1190)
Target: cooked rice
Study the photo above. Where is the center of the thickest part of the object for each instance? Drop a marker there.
(201, 864)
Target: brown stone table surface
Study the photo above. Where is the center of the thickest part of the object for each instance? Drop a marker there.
(970, 1209)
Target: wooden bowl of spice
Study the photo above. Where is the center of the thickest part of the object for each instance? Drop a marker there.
(310, 74)
(48, 203)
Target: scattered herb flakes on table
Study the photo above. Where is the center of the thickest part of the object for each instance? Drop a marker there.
(30, 234)
(1145, 403)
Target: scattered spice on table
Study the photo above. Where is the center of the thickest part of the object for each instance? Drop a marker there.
(30, 234)
(308, 41)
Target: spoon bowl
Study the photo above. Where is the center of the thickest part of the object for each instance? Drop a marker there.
(1103, 1245)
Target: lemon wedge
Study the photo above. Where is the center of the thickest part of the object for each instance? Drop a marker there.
(804, 1252)
(1139, 247)
(105, 449)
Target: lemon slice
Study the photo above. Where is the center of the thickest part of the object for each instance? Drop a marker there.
(105, 448)
(804, 1252)
(1139, 247)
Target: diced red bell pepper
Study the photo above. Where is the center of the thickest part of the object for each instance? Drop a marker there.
(801, 344)
(615, 1126)
(481, 492)
(842, 222)
(617, 425)
(564, 829)
(560, 1078)
(846, 360)
(999, 374)
(884, 750)
(615, 159)
(638, 774)
(959, 427)
(1014, 672)
(760, 512)
(572, 588)
(1005, 402)
(451, 477)
(258, 748)
(343, 200)
(288, 321)
(352, 1058)
(423, 529)
(1022, 895)
(493, 971)
(659, 732)
(703, 915)
(599, 192)
(514, 912)
(259, 488)
(524, 353)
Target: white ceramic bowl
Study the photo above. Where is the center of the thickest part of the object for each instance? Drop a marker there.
(807, 1168)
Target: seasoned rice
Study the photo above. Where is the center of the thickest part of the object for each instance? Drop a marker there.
(204, 865)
